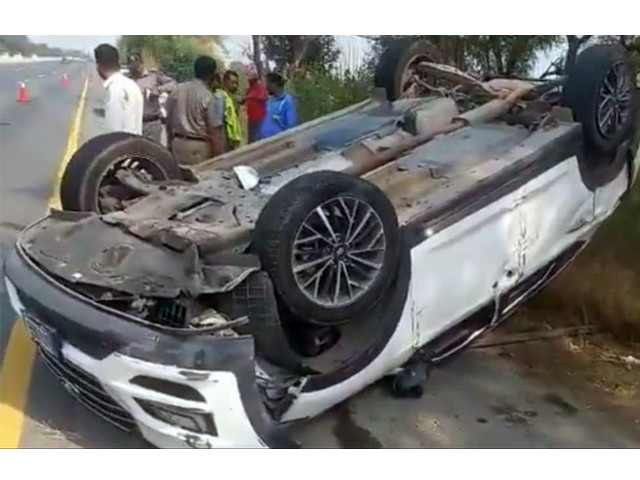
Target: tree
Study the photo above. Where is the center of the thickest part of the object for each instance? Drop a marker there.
(490, 55)
(257, 54)
(174, 54)
(574, 43)
(320, 93)
(291, 53)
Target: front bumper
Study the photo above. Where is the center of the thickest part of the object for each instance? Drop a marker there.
(101, 352)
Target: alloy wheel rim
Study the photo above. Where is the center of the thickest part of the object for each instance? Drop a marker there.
(338, 251)
(614, 101)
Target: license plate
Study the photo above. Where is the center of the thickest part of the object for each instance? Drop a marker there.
(42, 334)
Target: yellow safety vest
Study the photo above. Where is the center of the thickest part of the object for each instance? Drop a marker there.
(232, 127)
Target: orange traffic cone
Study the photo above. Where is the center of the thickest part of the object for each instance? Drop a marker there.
(22, 96)
(65, 80)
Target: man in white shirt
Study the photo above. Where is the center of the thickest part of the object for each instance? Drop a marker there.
(124, 103)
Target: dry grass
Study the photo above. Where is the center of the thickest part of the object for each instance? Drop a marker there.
(603, 285)
(597, 290)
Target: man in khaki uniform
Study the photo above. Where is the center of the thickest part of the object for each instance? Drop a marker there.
(152, 83)
(195, 117)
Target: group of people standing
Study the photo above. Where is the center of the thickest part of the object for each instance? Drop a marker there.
(198, 119)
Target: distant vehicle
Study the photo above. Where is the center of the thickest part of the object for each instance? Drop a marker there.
(213, 310)
(65, 60)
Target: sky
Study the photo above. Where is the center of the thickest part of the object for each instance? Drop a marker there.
(79, 42)
(354, 48)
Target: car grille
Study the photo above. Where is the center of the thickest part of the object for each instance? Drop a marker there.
(88, 391)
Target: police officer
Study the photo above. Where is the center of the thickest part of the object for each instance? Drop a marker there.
(195, 117)
(153, 84)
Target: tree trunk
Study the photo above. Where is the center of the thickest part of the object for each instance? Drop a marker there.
(299, 45)
(575, 43)
(499, 64)
(257, 54)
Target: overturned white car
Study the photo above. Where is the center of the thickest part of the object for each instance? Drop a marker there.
(210, 310)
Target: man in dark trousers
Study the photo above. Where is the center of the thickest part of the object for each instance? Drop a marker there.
(152, 83)
(194, 117)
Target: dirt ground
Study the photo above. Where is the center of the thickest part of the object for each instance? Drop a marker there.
(602, 289)
(598, 365)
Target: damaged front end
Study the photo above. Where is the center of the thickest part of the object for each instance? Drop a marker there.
(177, 387)
(144, 315)
(166, 260)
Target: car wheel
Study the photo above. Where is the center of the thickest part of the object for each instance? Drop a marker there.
(397, 67)
(600, 92)
(330, 243)
(89, 182)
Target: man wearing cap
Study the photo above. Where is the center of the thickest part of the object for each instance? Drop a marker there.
(153, 85)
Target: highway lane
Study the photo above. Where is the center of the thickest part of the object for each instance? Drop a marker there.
(33, 138)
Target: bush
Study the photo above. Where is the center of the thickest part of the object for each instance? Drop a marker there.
(173, 54)
(319, 94)
(179, 63)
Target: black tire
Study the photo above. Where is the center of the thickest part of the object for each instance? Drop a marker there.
(88, 165)
(396, 59)
(582, 94)
(281, 221)
(256, 299)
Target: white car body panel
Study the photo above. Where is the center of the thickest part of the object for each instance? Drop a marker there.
(220, 390)
(446, 267)
(517, 232)
(556, 211)
(607, 198)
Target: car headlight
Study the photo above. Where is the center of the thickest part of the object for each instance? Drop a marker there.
(190, 419)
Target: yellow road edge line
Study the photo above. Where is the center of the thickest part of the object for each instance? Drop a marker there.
(15, 377)
(72, 146)
(15, 371)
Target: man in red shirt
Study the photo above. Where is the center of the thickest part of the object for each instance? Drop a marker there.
(255, 101)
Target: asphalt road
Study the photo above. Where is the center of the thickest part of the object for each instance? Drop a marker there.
(32, 140)
(481, 399)
(33, 137)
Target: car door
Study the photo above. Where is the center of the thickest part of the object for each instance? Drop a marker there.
(461, 270)
(555, 215)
